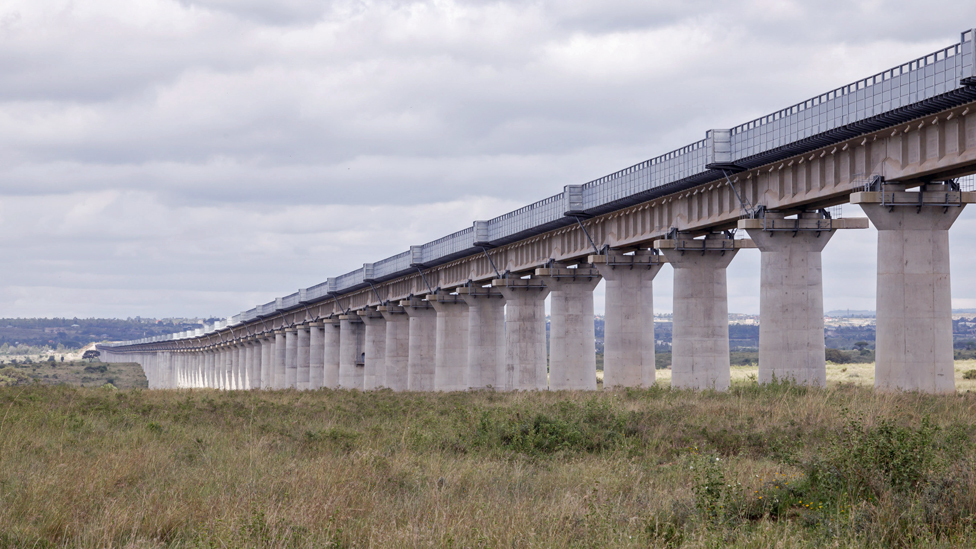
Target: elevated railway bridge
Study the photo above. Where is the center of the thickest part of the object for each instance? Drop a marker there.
(467, 310)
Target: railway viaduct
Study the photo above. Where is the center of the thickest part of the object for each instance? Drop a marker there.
(467, 310)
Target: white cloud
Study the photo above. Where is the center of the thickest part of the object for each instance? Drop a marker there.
(197, 157)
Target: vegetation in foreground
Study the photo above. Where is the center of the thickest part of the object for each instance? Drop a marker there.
(755, 467)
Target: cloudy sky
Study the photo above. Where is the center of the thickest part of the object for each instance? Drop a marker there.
(198, 157)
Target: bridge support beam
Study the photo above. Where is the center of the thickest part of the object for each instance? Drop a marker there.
(914, 300)
(351, 335)
(374, 349)
(331, 329)
(628, 340)
(526, 361)
(316, 356)
(451, 342)
(423, 344)
(397, 346)
(700, 329)
(572, 341)
(791, 326)
(486, 336)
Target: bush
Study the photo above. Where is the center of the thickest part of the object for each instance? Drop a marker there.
(836, 356)
(970, 374)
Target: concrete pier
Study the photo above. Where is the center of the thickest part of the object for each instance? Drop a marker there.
(572, 341)
(423, 344)
(242, 365)
(330, 352)
(486, 335)
(248, 363)
(374, 350)
(233, 370)
(791, 326)
(267, 359)
(351, 336)
(304, 355)
(700, 329)
(208, 367)
(628, 338)
(526, 358)
(397, 346)
(316, 356)
(291, 357)
(451, 345)
(914, 300)
(278, 374)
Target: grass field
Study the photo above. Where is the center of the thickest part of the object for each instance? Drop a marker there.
(78, 373)
(756, 467)
(854, 374)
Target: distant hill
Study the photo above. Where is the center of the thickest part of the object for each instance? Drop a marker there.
(850, 313)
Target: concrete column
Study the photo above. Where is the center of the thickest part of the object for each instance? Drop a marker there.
(351, 336)
(209, 368)
(291, 357)
(330, 352)
(278, 372)
(628, 329)
(451, 342)
(374, 363)
(195, 368)
(221, 366)
(267, 359)
(700, 329)
(234, 374)
(249, 362)
(241, 365)
(187, 368)
(422, 345)
(397, 346)
(212, 366)
(192, 369)
(486, 335)
(304, 359)
(316, 356)
(572, 340)
(526, 358)
(178, 369)
(913, 346)
(165, 369)
(791, 325)
(227, 374)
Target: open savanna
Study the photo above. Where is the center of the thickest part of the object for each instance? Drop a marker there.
(758, 466)
(79, 373)
(853, 373)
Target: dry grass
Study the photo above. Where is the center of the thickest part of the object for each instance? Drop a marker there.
(102, 468)
(854, 374)
(80, 373)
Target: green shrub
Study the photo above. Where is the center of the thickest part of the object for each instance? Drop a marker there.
(970, 374)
